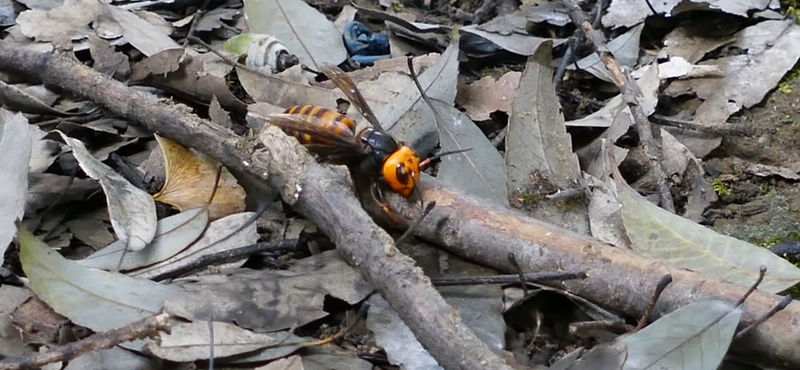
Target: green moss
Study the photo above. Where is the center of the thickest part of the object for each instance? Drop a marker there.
(793, 74)
(397, 6)
(720, 188)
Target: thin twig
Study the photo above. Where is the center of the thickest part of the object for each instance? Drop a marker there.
(662, 284)
(735, 129)
(105, 340)
(196, 19)
(508, 279)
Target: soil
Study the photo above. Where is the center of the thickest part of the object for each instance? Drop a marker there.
(762, 210)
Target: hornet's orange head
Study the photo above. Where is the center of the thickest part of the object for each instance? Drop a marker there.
(401, 170)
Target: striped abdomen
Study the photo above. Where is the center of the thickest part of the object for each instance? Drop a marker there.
(324, 119)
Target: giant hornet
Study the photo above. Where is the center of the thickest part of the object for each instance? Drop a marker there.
(332, 137)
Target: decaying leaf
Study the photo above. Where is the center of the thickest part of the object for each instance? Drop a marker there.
(71, 18)
(667, 237)
(92, 229)
(479, 171)
(44, 189)
(43, 152)
(209, 243)
(96, 299)
(394, 336)
(648, 84)
(11, 344)
(692, 47)
(121, 358)
(138, 30)
(174, 234)
(190, 181)
(679, 163)
(188, 342)
(488, 95)
(15, 151)
(688, 335)
(616, 115)
(605, 212)
(771, 51)
(626, 13)
(516, 43)
(14, 98)
(132, 210)
(539, 156)
(625, 49)
(293, 297)
(201, 76)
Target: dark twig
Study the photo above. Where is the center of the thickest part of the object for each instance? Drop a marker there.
(662, 284)
(735, 129)
(225, 256)
(508, 279)
(196, 19)
(779, 307)
(569, 57)
(761, 273)
(630, 94)
(105, 340)
(512, 259)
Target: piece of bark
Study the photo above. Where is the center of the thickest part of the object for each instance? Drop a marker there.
(316, 192)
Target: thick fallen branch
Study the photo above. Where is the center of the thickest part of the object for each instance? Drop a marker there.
(137, 330)
(316, 192)
(617, 279)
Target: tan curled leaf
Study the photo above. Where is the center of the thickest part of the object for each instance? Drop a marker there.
(132, 210)
(190, 180)
(667, 237)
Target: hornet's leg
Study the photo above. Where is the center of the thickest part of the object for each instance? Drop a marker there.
(378, 197)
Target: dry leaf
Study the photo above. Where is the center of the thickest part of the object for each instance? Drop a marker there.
(15, 150)
(667, 237)
(132, 210)
(190, 180)
(96, 299)
(487, 95)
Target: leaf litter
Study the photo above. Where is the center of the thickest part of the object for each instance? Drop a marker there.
(698, 76)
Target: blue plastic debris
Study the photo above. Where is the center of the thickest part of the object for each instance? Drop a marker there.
(363, 45)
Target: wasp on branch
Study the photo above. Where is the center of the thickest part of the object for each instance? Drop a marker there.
(332, 137)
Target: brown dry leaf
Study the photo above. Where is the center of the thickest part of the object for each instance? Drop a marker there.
(38, 322)
(190, 179)
(71, 19)
(11, 344)
(487, 95)
(165, 62)
(201, 76)
(107, 60)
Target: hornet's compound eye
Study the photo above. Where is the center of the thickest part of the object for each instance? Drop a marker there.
(401, 170)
